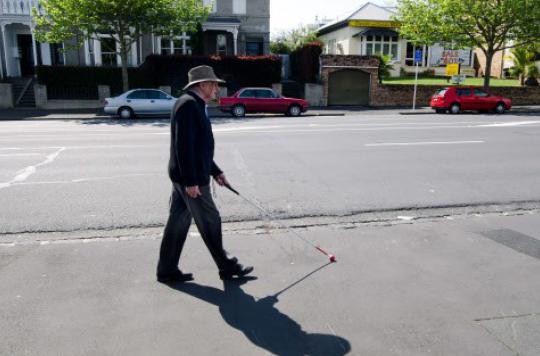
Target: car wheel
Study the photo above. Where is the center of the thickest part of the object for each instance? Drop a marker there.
(238, 111)
(500, 108)
(126, 113)
(294, 110)
(455, 108)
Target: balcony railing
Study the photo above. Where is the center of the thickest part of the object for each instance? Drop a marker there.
(18, 7)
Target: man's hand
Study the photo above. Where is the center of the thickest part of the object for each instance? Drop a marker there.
(221, 179)
(193, 191)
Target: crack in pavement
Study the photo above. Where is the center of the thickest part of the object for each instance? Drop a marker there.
(262, 226)
(502, 317)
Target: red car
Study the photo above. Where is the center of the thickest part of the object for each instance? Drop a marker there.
(457, 99)
(248, 100)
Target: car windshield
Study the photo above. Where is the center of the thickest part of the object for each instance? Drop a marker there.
(441, 92)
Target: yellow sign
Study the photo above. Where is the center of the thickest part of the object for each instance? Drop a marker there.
(374, 23)
(452, 69)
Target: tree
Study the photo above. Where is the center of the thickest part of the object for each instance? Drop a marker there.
(286, 42)
(124, 20)
(385, 66)
(490, 25)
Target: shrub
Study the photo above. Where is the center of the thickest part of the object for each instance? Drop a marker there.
(305, 64)
(63, 78)
(160, 70)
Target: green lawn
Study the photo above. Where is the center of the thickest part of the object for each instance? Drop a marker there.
(442, 81)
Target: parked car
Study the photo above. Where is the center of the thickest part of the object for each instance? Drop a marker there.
(457, 99)
(250, 100)
(140, 102)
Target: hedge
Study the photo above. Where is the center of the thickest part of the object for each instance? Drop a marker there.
(160, 70)
(238, 72)
(64, 78)
(305, 65)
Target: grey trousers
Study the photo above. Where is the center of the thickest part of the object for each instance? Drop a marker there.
(182, 209)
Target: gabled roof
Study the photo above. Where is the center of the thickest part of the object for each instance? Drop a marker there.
(368, 11)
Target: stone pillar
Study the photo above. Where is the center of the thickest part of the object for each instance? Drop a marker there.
(314, 94)
(5, 49)
(278, 88)
(40, 92)
(34, 48)
(166, 88)
(6, 96)
(235, 41)
(104, 91)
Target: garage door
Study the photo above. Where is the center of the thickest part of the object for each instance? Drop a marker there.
(348, 87)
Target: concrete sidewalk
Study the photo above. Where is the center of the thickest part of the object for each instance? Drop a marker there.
(91, 114)
(453, 286)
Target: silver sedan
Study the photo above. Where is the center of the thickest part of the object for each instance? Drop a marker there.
(138, 102)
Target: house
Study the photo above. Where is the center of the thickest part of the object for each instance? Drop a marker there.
(371, 30)
(234, 27)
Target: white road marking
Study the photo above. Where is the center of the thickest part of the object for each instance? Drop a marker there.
(420, 143)
(511, 124)
(83, 147)
(23, 174)
(80, 180)
(19, 154)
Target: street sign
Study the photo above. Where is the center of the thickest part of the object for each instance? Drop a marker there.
(452, 69)
(458, 78)
(418, 56)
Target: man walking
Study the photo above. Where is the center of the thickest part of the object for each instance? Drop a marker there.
(190, 166)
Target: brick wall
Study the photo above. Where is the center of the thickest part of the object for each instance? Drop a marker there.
(402, 95)
(332, 63)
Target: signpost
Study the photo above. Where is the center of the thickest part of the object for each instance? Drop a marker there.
(417, 60)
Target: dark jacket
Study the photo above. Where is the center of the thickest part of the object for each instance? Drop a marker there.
(192, 143)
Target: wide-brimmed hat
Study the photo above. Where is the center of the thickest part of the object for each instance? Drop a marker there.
(202, 74)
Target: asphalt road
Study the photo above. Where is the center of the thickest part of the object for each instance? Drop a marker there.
(108, 174)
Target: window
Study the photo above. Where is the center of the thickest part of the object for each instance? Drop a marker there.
(265, 94)
(109, 57)
(254, 48)
(464, 92)
(239, 7)
(138, 94)
(57, 54)
(385, 45)
(248, 93)
(175, 46)
(409, 57)
(479, 92)
(331, 47)
(212, 3)
(155, 94)
(221, 45)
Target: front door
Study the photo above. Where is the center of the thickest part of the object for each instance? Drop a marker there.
(26, 55)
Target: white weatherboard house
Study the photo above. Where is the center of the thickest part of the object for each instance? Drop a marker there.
(371, 30)
(234, 27)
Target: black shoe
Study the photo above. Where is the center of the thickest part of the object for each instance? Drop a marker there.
(177, 277)
(238, 271)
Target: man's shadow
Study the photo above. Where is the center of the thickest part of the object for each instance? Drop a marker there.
(262, 323)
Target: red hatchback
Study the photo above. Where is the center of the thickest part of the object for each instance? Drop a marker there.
(261, 100)
(457, 99)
